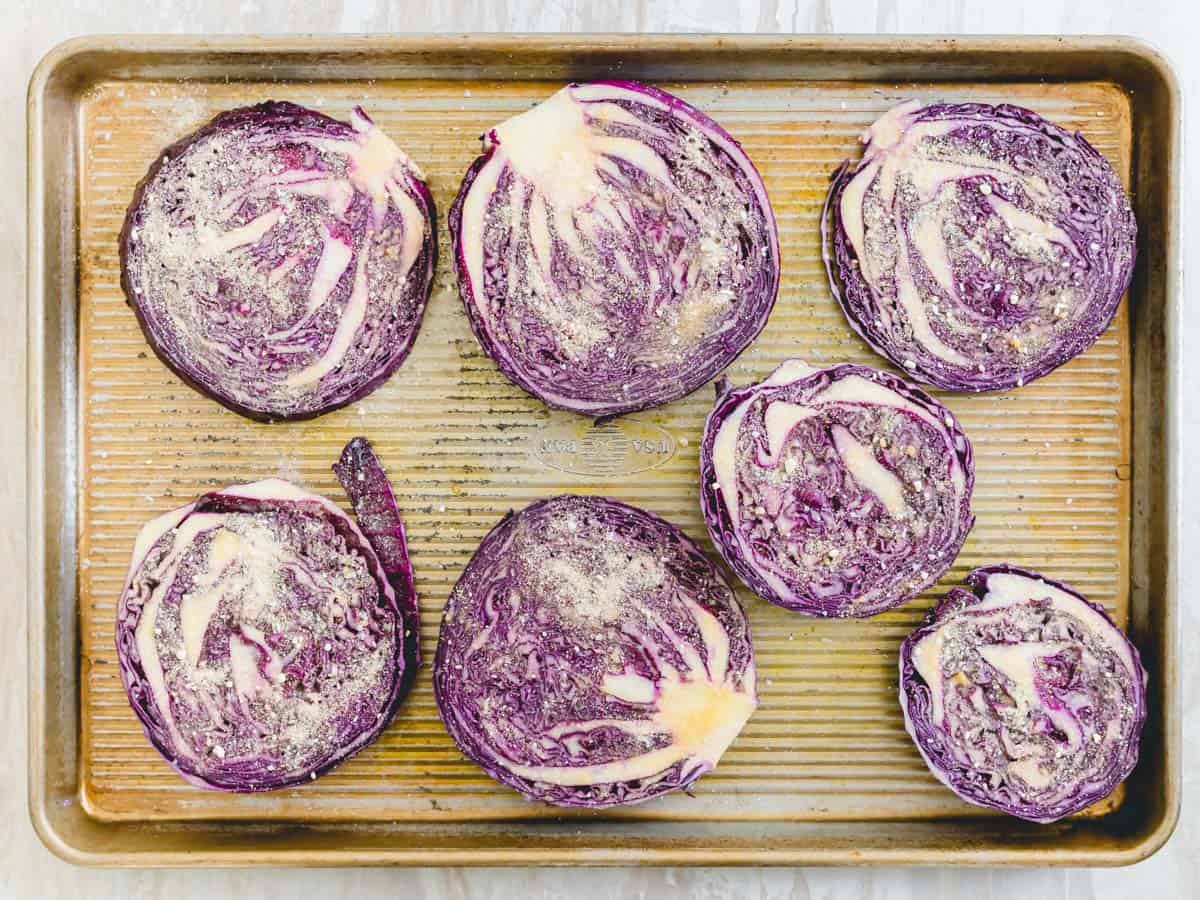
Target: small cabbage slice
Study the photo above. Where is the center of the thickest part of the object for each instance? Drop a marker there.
(279, 260)
(615, 248)
(591, 655)
(1023, 696)
(366, 485)
(835, 492)
(260, 639)
(978, 247)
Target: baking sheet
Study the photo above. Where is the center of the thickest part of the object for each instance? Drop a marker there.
(462, 445)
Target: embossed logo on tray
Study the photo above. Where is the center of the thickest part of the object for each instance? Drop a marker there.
(605, 449)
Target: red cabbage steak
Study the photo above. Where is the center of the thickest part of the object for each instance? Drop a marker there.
(835, 492)
(591, 655)
(279, 260)
(262, 639)
(977, 247)
(615, 248)
(1023, 696)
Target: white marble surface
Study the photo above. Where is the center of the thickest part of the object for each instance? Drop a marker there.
(31, 27)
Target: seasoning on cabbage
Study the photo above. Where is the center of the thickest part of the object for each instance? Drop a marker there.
(1023, 696)
(259, 638)
(279, 260)
(615, 248)
(978, 247)
(835, 492)
(591, 655)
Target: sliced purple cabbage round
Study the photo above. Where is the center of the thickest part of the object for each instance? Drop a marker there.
(615, 248)
(835, 492)
(1023, 696)
(978, 247)
(591, 655)
(260, 638)
(279, 260)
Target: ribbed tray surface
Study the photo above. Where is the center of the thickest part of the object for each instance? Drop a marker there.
(463, 445)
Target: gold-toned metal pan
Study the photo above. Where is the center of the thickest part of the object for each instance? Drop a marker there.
(1077, 472)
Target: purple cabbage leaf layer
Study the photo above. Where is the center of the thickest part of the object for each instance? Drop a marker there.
(977, 247)
(261, 638)
(843, 491)
(1023, 696)
(279, 261)
(592, 656)
(615, 248)
(835, 492)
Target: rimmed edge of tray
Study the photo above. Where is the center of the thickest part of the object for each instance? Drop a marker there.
(1129, 835)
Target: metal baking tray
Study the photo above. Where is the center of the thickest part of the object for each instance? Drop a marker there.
(1076, 473)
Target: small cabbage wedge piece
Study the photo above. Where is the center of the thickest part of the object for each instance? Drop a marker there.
(591, 655)
(615, 248)
(1023, 696)
(279, 261)
(835, 492)
(262, 638)
(977, 247)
